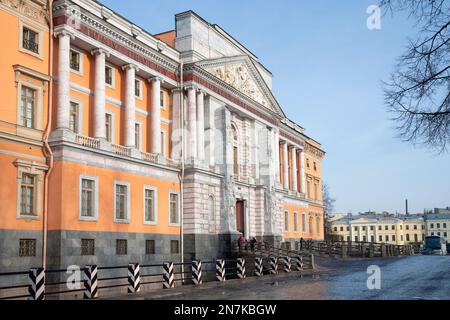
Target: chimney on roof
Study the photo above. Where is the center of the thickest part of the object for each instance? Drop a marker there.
(406, 204)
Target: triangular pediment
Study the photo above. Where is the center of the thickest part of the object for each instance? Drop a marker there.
(240, 73)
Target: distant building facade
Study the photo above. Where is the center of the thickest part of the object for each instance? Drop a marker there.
(438, 223)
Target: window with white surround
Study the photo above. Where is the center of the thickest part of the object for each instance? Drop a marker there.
(28, 107)
(295, 221)
(109, 127)
(174, 216)
(31, 39)
(29, 189)
(137, 135)
(138, 89)
(150, 205)
(74, 117)
(303, 222)
(76, 61)
(88, 198)
(162, 99)
(163, 142)
(109, 76)
(286, 221)
(121, 202)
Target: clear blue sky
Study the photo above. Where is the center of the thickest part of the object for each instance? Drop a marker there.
(328, 69)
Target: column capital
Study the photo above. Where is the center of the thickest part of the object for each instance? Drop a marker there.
(130, 66)
(175, 90)
(100, 51)
(58, 33)
(190, 86)
(156, 78)
(201, 91)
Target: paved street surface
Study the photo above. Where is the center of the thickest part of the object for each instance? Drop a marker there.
(412, 277)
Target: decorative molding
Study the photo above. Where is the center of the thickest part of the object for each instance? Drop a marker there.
(309, 149)
(28, 9)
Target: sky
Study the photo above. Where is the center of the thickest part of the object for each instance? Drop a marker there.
(328, 70)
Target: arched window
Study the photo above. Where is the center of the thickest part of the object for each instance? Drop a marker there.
(211, 214)
(235, 150)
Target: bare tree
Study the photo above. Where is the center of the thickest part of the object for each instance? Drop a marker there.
(418, 93)
(328, 201)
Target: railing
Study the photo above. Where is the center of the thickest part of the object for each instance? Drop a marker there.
(150, 157)
(87, 142)
(121, 150)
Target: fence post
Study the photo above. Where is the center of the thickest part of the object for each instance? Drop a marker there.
(168, 276)
(134, 278)
(287, 264)
(220, 270)
(313, 264)
(91, 283)
(241, 268)
(371, 250)
(258, 267)
(273, 262)
(197, 272)
(36, 287)
(383, 250)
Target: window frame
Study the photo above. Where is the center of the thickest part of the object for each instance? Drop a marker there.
(296, 222)
(164, 142)
(155, 205)
(95, 197)
(81, 247)
(113, 76)
(79, 115)
(138, 124)
(23, 240)
(162, 95)
(138, 83)
(107, 112)
(286, 224)
(40, 39)
(80, 64)
(126, 220)
(38, 171)
(171, 224)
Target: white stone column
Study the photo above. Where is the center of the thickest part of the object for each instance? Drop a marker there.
(99, 93)
(156, 116)
(277, 155)
(63, 92)
(294, 169)
(191, 151)
(200, 125)
(176, 124)
(130, 107)
(302, 171)
(285, 166)
(210, 133)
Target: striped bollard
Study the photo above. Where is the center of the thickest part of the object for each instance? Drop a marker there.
(220, 269)
(168, 276)
(258, 267)
(241, 268)
(36, 287)
(134, 278)
(273, 265)
(299, 263)
(91, 283)
(197, 272)
(287, 264)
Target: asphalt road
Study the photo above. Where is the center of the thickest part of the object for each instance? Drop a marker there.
(411, 277)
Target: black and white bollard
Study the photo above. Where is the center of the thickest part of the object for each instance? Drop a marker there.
(258, 267)
(287, 264)
(273, 265)
(241, 268)
(220, 270)
(197, 272)
(134, 278)
(168, 275)
(36, 286)
(299, 263)
(91, 282)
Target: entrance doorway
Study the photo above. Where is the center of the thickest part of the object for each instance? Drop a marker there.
(240, 216)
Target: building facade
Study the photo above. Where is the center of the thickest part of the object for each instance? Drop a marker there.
(156, 146)
(438, 223)
(378, 228)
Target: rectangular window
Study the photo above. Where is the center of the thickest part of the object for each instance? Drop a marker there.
(109, 74)
(303, 223)
(315, 166)
(137, 135)
(415, 227)
(379, 228)
(163, 143)
(444, 226)
(75, 59)
(87, 198)
(286, 221)
(393, 227)
(28, 195)
(407, 237)
(386, 227)
(162, 99)
(149, 246)
(380, 238)
(138, 88)
(121, 246)
(364, 239)
(73, 116)
(121, 211)
(342, 229)
(27, 107)
(108, 127)
(174, 247)
(415, 238)
(407, 227)
(149, 203)
(432, 226)
(393, 237)
(173, 208)
(335, 229)
(87, 247)
(387, 238)
(438, 225)
(27, 247)
(30, 40)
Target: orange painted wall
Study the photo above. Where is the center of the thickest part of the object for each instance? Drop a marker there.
(64, 200)
(291, 234)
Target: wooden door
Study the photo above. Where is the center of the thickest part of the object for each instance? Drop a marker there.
(240, 211)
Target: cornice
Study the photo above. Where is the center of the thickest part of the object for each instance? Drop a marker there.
(314, 151)
(29, 9)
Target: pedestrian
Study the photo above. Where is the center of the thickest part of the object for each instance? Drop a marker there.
(253, 241)
(301, 243)
(240, 241)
